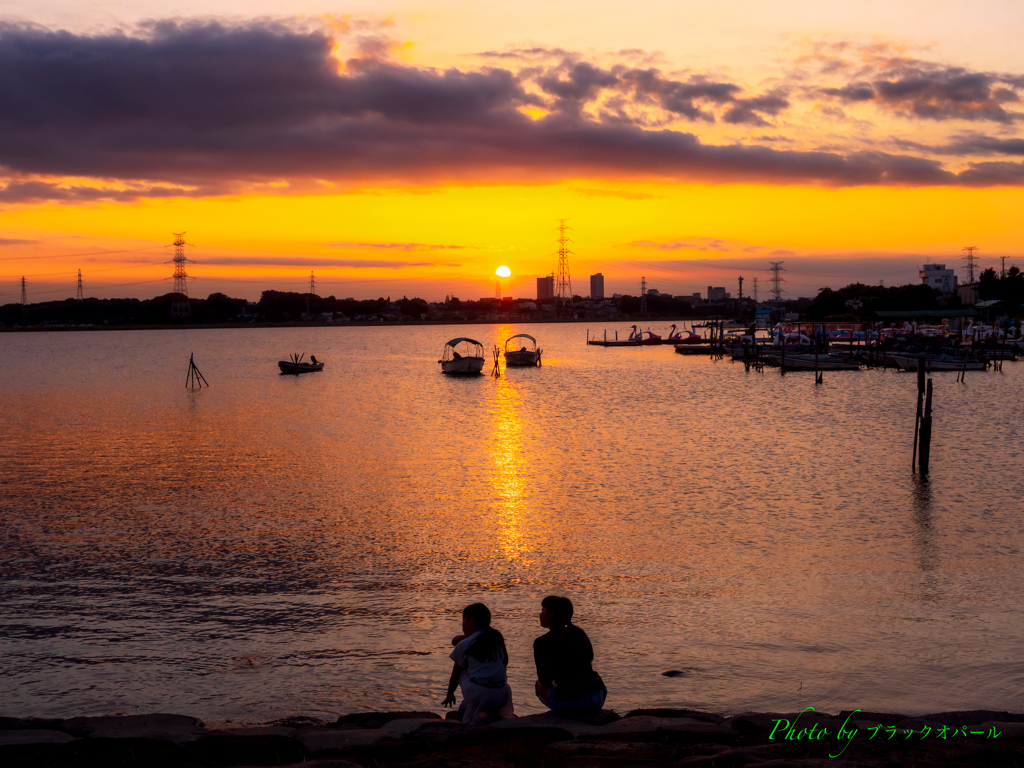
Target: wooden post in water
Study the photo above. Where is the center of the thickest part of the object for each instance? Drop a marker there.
(818, 375)
(783, 366)
(926, 431)
(917, 420)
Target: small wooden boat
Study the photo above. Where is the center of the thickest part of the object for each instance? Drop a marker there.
(296, 366)
(525, 355)
(462, 356)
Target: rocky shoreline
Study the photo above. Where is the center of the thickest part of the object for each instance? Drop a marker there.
(642, 738)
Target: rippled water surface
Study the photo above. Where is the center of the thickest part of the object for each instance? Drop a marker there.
(281, 545)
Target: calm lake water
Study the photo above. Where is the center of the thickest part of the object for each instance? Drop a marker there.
(281, 545)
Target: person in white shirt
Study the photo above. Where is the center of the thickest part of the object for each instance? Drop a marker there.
(480, 659)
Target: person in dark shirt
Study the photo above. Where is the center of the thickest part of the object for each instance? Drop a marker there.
(566, 681)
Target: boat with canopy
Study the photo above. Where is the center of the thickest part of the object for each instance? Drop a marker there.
(462, 356)
(526, 354)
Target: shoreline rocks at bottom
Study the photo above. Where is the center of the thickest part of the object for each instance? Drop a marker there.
(645, 738)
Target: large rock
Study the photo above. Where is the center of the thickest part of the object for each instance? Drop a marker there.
(734, 758)
(30, 724)
(178, 729)
(692, 714)
(317, 740)
(973, 717)
(359, 720)
(33, 736)
(230, 750)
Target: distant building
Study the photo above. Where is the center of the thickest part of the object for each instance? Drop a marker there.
(545, 287)
(716, 294)
(695, 299)
(653, 292)
(938, 277)
(597, 286)
(968, 293)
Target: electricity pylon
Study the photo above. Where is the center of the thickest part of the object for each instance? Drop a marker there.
(179, 303)
(776, 279)
(563, 284)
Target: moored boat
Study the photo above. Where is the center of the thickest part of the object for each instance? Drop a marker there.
(462, 356)
(526, 354)
(296, 366)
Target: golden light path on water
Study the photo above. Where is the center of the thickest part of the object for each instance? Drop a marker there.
(507, 455)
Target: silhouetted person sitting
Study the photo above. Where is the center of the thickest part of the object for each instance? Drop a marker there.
(480, 660)
(566, 681)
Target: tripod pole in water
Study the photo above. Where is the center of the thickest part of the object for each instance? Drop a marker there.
(194, 378)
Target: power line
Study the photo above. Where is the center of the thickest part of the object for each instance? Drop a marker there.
(74, 255)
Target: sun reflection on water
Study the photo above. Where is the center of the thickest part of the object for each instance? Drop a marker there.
(507, 454)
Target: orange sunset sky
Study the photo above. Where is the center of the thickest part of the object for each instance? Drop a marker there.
(410, 148)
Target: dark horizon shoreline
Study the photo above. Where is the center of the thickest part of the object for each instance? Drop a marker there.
(355, 324)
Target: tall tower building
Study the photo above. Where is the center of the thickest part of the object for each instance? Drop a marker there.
(597, 286)
(546, 287)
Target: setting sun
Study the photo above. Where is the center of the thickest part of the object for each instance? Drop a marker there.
(503, 272)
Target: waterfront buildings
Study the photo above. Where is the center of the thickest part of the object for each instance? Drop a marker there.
(938, 277)
(546, 287)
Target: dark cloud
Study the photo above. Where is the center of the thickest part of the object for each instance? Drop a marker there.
(41, 191)
(851, 93)
(528, 54)
(687, 244)
(395, 246)
(207, 108)
(311, 261)
(919, 89)
(15, 241)
(993, 174)
(580, 84)
(750, 111)
(984, 145)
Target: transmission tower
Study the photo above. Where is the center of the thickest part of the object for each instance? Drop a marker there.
(1002, 274)
(563, 284)
(497, 288)
(643, 296)
(755, 290)
(24, 302)
(971, 260)
(179, 303)
(776, 279)
(79, 296)
(312, 292)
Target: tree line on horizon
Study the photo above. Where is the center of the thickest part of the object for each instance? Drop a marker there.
(856, 302)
